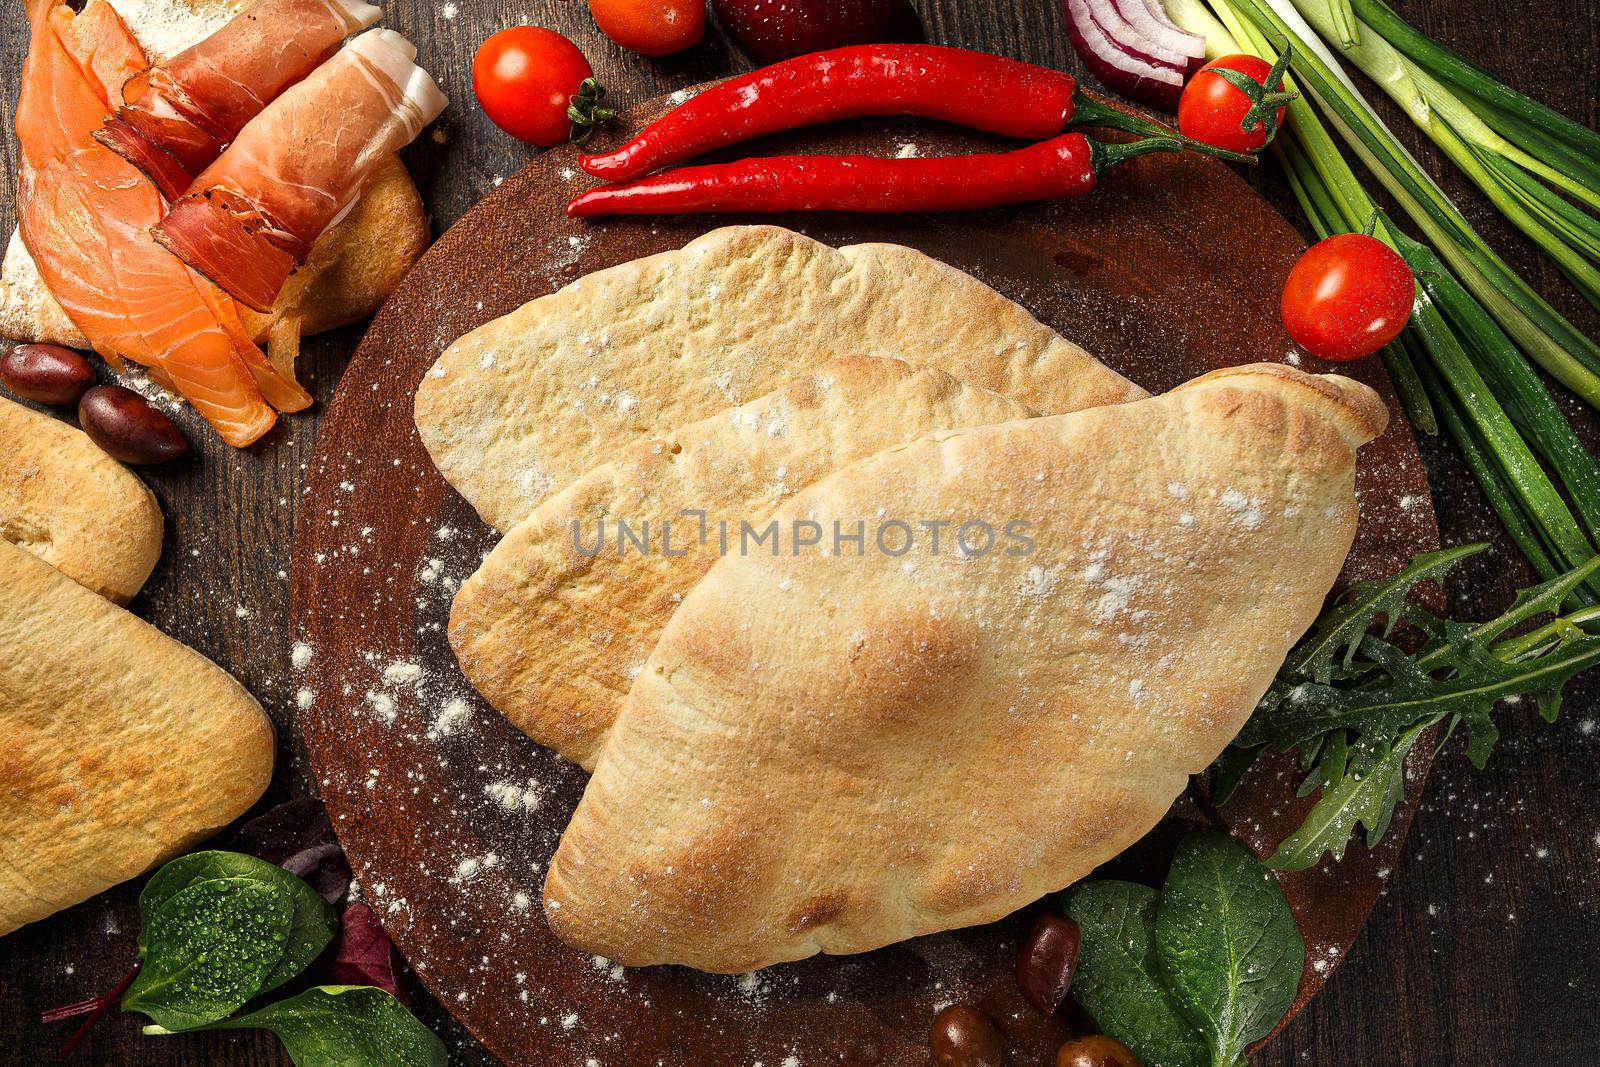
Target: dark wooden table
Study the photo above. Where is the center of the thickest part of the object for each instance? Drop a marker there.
(1484, 951)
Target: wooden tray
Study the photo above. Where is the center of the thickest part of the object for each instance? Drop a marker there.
(1172, 268)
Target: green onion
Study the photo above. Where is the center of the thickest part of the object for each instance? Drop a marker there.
(1456, 367)
(1526, 116)
(1527, 480)
(1537, 328)
(1524, 396)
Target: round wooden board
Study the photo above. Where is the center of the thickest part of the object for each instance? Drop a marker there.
(1172, 268)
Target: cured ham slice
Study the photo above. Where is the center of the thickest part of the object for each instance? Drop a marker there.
(253, 215)
(85, 214)
(176, 117)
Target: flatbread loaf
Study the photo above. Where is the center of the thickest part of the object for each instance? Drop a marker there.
(831, 753)
(122, 747)
(73, 506)
(553, 630)
(521, 406)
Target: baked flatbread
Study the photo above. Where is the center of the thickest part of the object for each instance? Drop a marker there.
(831, 753)
(73, 506)
(523, 405)
(553, 630)
(122, 747)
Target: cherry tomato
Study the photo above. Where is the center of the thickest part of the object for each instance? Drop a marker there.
(1212, 109)
(525, 78)
(1347, 297)
(653, 27)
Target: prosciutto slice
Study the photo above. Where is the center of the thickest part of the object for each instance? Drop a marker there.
(85, 215)
(252, 216)
(176, 117)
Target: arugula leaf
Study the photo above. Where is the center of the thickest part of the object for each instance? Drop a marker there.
(1386, 697)
(310, 931)
(1232, 765)
(1406, 695)
(1369, 800)
(1227, 944)
(1331, 756)
(1339, 630)
(342, 1026)
(1118, 980)
(208, 949)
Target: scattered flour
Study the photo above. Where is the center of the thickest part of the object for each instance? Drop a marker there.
(402, 673)
(453, 718)
(1246, 510)
(513, 797)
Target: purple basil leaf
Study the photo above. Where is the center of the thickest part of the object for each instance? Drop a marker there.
(364, 955)
(297, 836)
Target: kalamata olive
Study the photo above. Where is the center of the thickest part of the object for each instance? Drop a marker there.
(125, 424)
(1047, 960)
(1097, 1050)
(46, 374)
(962, 1037)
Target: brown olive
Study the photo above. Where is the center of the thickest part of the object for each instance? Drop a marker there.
(46, 374)
(1046, 961)
(125, 424)
(964, 1038)
(1097, 1050)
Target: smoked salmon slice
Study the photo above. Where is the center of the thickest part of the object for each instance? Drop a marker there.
(85, 214)
(176, 117)
(252, 216)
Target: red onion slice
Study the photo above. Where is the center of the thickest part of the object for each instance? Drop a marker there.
(1128, 64)
(1117, 18)
(1151, 19)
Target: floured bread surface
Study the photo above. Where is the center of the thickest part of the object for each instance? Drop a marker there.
(521, 406)
(831, 753)
(352, 268)
(122, 748)
(73, 506)
(556, 623)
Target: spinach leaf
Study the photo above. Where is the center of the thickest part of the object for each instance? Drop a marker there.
(1369, 800)
(208, 949)
(1118, 981)
(343, 1026)
(310, 931)
(1229, 951)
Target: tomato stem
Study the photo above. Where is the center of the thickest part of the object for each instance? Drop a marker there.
(1264, 99)
(586, 111)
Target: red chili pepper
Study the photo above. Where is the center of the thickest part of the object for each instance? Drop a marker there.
(985, 92)
(1062, 167)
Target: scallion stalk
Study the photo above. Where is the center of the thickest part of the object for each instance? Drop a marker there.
(1489, 479)
(1529, 115)
(1527, 480)
(1456, 364)
(1538, 328)
(1523, 395)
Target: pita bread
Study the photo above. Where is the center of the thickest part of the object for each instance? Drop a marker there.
(831, 753)
(523, 405)
(123, 747)
(73, 506)
(553, 634)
